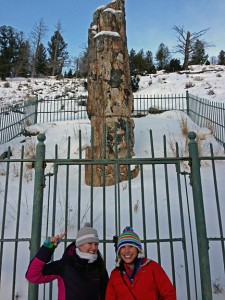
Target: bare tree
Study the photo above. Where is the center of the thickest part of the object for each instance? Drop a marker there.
(37, 35)
(213, 60)
(54, 61)
(82, 61)
(186, 42)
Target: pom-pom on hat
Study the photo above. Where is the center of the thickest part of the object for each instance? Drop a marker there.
(129, 237)
(86, 234)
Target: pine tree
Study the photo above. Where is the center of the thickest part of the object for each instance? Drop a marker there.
(57, 52)
(198, 55)
(21, 66)
(70, 74)
(41, 62)
(9, 49)
(140, 62)
(221, 58)
(132, 56)
(149, 65)
(162, 56)
(174, 65)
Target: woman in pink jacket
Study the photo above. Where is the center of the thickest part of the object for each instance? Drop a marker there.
(136, 277)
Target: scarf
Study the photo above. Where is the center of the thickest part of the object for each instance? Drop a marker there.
(91, 257)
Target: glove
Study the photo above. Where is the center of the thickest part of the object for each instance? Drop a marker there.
(50, 245)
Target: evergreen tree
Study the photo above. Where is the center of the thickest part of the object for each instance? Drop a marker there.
(70, 74)
(163, 56)
(174, 65)
(140, 62)
(198, 55)
(149, 66)
(132, 56)
(21, 66)
(57, 52)
(221, 58)
(10, 43)
(41, 62)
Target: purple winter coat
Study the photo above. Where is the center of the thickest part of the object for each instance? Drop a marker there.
(77, 279)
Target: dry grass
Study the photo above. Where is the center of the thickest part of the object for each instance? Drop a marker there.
(189, 85)
(30, 148)
(201, 139)
(208, 124)
(2, 171)
(30, 152)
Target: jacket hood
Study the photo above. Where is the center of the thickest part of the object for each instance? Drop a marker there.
(70, 250)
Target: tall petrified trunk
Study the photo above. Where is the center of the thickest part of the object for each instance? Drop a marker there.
(110, 97)
(186, 51)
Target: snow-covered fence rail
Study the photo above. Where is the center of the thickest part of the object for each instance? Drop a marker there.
(208, 114)
(14, 119)
(61, 109)
(145, 104)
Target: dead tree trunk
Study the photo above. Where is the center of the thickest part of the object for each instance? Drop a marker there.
(186, 51)
(110, 97)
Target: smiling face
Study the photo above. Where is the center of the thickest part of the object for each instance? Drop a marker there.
(91, 248)
(128, 254)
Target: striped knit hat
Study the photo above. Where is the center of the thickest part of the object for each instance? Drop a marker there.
(87, 234)
(129, 237)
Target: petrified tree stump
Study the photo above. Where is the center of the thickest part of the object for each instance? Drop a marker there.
(110, 97)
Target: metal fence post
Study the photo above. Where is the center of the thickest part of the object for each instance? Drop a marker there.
(187, 102)
(36, 110)
(37, 208)
(202, 241)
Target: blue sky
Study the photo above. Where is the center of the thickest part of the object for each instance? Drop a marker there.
(149, 22)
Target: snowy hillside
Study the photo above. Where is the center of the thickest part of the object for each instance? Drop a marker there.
(203, 81)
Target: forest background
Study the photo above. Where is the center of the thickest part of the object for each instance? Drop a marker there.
(29, 57)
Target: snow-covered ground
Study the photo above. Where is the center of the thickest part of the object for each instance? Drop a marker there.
(203, 81)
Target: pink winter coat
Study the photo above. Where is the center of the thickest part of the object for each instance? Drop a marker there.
(150, 282)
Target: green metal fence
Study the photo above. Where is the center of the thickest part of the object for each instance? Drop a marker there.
(208, 114)
(171, 209)
(145, 104)
(61, 109)
(15, 118)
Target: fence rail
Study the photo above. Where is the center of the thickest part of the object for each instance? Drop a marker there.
(208, 114)
(14, 119)
(144, 104)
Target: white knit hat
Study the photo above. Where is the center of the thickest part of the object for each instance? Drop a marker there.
(87, 234)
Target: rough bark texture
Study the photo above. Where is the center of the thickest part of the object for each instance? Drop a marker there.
(186, 51)
(110, 97)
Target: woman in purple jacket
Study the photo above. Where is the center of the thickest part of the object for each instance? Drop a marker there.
(81, 271)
